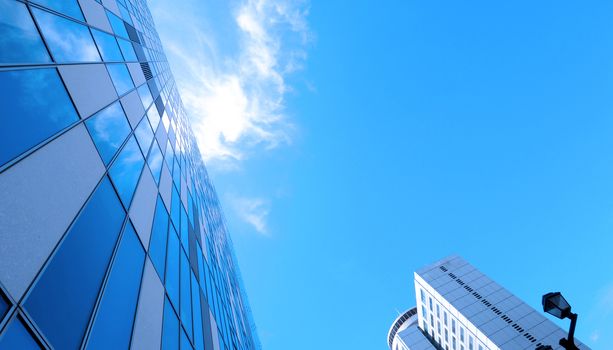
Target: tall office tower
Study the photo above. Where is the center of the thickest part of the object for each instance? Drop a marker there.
(460, 308)
(111, 234)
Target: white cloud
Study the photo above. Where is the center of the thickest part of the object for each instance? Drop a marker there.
(253, 211)
(235, 97)
(595, 336)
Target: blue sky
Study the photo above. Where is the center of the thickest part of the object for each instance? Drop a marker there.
(353, 142)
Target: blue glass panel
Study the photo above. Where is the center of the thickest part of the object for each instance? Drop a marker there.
(121, 78)
(176, 174)
(186, 291)
(126, 170)
(185, 345)
(117, 23)
(68, 41)
(31, 97)
(109, 128)
(107, 45)
(124, 13)
(67, 7)
(175, 208)
(127, 50)
(201, 267)
(19, 39)
(170, 332)
(154, 117)
(198, 337)
(63, 299)
(169, 155)
(159, 234)
(155, 162)
(172, 267)
(145, 95)
(17, 336)
(113, 324)
(184, 230)
(144, 135)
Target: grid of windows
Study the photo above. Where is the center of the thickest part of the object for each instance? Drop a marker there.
(119, 231)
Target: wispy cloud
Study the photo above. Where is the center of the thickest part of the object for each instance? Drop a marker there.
(253, 211)
(232, 71)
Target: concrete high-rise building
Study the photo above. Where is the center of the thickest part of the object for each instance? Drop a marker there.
(111, 233)
(460, 308)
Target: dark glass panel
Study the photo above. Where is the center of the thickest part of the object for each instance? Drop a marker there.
(127, 50)
(31, 97)
(201, 268)
(155, 161)
(107, 45)
(113, 324)
(170, 331)
(159, 235)
(117, 24)
(63, 299)
(121, 78)
(19, 39)
(186, 300)
(68, 41)
(17, 336)
(109, 128)
(172, 267)
(67, 7)
(126, 170)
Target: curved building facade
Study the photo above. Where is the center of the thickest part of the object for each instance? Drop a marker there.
(404, 334)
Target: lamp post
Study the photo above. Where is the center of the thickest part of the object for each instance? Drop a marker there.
(556, 305)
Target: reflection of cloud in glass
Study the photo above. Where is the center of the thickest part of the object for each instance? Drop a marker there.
(109, 128)
(121, 78)
(155, 161)
(126, 169)
(19, 41)
(107, 46)
(67, 40)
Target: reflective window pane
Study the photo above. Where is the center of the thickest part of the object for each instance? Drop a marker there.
(175, 211)
(198, 337)
(19, 39)
(67, 7)
(126, 170)
(35, 106)
(63, 299)
(144, 135)
(127, 50)
(185, 345)
(107, 45)
(159, 234)
(17, 336)
(109, 128)
(170, 330)
(184, 230)
(68, 41)
(155, 162)
(113, 324)
(117, 24)
(121, 78)
(145, 95)
(172, 267)
(186, 292)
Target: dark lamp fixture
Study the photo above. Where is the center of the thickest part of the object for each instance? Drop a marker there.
(556, 305)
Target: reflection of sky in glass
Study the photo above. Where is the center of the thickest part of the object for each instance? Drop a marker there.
(144, 135)
(155, 161)
(19, 39)
(126, 169)
(121, 78)
(31, 98)
(172, 267)
(145, 95)
(186, 300)
(169, 155)
(127, 50)
(16, 336)
(67, 7)
(109, 128)
(154, 117)
(170, 332)
(117, 23)
(124, 13)
(68, 41)
(107, 45)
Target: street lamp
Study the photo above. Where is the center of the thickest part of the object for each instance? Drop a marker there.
(556, 305)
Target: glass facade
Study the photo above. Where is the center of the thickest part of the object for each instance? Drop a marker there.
(111, 233)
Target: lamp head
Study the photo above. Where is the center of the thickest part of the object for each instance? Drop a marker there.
(556, 305)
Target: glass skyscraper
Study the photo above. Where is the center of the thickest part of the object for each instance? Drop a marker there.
(111, 233)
